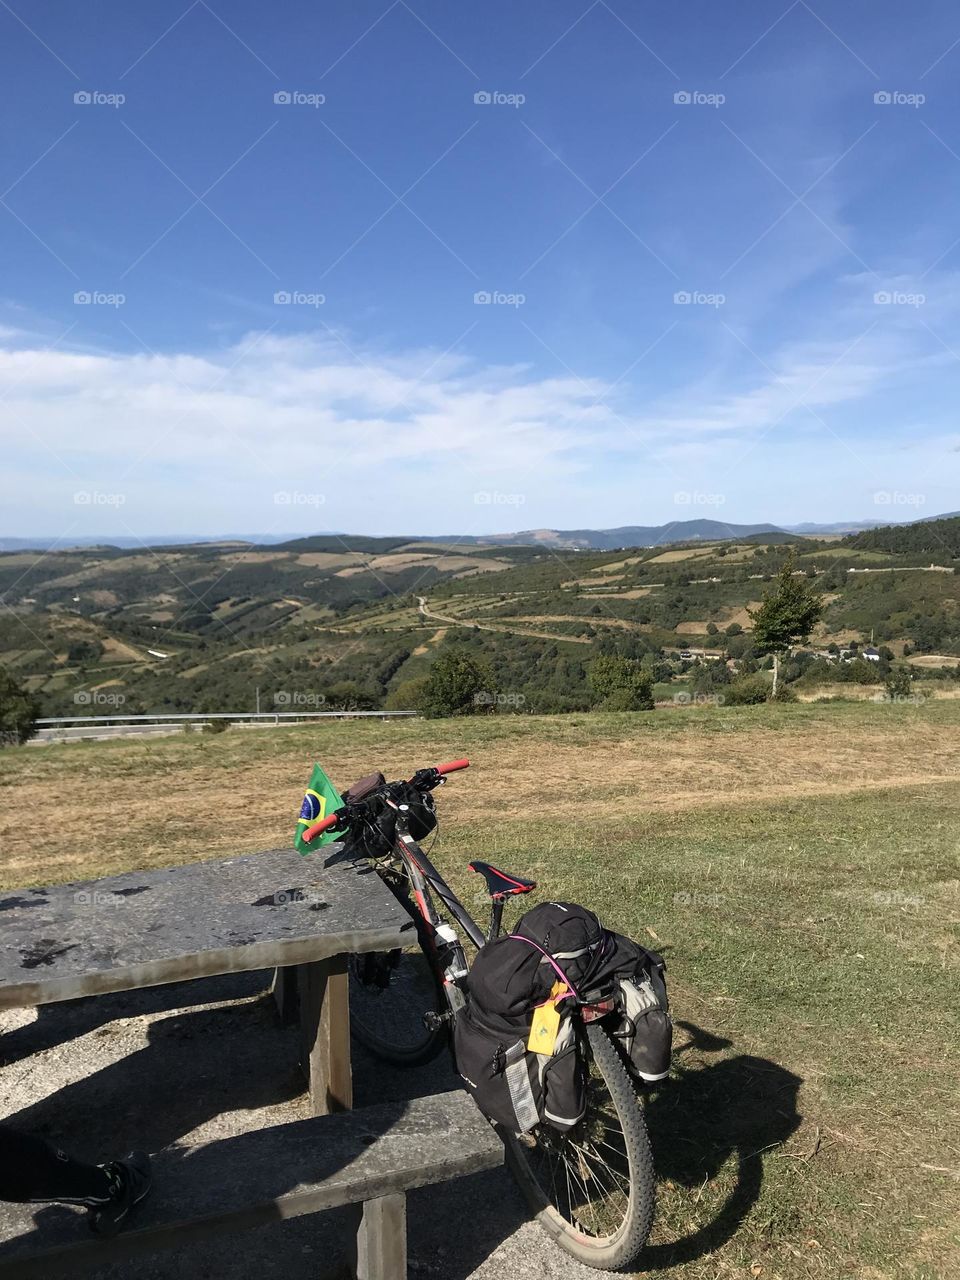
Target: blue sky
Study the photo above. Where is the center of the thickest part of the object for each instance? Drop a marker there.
(719, 244)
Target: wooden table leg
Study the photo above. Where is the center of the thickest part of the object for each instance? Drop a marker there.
(323, 988)
(284, 992)
(381, 1251)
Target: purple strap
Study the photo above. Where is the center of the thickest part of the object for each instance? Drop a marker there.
(518, 937)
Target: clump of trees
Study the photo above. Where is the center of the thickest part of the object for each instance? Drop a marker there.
(18, 711)
(459, 684)
(620, 684)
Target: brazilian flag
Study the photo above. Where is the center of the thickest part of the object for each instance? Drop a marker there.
(321, 799)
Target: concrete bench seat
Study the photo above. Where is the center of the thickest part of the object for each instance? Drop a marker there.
(372, 1156)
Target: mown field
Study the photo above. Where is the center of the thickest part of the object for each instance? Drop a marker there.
(797, 865)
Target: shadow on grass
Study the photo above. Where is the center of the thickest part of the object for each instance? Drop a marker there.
(740, 1106)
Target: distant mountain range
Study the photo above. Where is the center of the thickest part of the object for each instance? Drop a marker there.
(556, 539)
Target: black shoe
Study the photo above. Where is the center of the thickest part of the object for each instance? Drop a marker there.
(131, 1181)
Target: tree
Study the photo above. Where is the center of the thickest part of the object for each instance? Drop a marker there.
(621, 684)
(407, 695)
(899, 683)
(788, 613)
(456, 685)
(18, 711)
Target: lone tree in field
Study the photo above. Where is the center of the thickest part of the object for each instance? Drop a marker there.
(18, 711)
(788, 613)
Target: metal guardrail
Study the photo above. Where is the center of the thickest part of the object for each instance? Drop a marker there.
(164, 717)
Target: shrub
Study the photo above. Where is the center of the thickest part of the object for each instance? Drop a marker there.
(621, 684)
(747, 691)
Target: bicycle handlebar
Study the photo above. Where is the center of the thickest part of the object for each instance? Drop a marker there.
(426, 779)
(452, 766)
(318, 828)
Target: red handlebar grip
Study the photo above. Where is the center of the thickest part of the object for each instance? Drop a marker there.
(453, 766)
(318, 828)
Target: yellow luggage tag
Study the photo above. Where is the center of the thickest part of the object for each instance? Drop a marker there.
(546, 1022)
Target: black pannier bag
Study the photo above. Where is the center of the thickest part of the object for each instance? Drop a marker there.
(518, 1088)
(512, 1086)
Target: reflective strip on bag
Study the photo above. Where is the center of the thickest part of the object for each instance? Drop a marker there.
(518, 1083)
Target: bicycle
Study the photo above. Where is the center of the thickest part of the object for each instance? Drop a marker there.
(592, 1189)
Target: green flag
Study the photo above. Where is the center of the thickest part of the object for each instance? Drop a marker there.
(321, 799)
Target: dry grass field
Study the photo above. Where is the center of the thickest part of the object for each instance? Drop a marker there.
(796, 864)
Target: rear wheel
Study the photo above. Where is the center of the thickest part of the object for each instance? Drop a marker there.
(392, 992)
(592, 1189)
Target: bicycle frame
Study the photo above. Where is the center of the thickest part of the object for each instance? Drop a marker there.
(424, 878)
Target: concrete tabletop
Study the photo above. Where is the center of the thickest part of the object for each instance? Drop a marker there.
(147, 927)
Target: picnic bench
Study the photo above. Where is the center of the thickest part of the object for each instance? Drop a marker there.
(271, 910)
(262, 911)
(371, 1156)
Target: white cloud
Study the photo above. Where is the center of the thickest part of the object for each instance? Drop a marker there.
(395, 442)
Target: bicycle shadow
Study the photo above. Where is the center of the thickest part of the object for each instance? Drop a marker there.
(711, 1110)
(705, 1114)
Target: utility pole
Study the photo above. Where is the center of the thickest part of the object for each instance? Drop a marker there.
(258, 699)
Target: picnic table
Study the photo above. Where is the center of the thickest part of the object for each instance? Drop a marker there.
(266, 910)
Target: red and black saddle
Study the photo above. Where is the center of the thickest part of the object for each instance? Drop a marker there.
(501, 883)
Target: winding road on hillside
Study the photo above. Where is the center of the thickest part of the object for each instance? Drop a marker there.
(489, 626)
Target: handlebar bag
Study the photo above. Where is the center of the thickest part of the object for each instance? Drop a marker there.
(375, 837)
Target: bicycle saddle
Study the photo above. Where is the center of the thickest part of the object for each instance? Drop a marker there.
(500, 883)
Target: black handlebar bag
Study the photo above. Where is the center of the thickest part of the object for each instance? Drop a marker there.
(377, 834)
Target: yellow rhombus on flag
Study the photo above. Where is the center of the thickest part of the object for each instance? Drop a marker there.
(320, 800)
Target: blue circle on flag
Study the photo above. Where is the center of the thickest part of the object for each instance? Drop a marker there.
(310, 809)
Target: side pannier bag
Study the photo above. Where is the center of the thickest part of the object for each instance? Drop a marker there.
(646, 1030)
(514, 1087)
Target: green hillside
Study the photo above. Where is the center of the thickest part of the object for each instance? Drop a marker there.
(349, 622)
